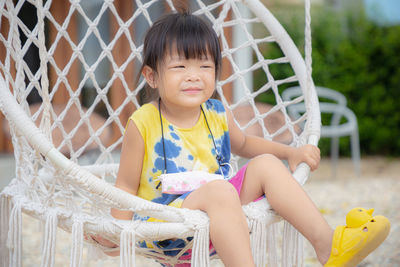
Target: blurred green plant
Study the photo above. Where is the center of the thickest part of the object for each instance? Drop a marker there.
(359, 59)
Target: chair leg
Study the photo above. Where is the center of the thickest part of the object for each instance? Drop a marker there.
(334, 154)
(355, 152)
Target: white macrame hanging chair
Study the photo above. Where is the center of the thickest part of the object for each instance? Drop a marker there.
(54, 185)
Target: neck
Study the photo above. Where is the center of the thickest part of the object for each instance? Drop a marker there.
(181, 117)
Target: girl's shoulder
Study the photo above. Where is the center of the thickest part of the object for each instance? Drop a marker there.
(145, 112)
(144, 118)
(216, 113)
(214, 105)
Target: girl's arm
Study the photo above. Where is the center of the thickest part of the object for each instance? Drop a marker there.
(130, 166)
(128, 176)
(249, 146)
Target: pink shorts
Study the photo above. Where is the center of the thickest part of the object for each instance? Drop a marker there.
(237, 180)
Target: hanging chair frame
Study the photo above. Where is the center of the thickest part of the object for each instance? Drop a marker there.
(180, 223)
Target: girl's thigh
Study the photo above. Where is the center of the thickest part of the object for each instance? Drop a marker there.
(205, 197)
(250, 180)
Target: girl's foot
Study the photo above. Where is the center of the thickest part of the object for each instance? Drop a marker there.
(362, 234)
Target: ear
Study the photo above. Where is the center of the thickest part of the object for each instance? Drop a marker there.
(150, 76)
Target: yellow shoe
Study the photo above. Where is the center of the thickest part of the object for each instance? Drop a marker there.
(362, 234)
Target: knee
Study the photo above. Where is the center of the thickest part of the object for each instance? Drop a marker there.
(221, 192)
(265, 166)
(265, 161)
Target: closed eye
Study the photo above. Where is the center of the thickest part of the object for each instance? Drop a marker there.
(178, 66)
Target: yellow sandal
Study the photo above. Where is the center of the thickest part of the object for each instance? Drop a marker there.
(362, 234)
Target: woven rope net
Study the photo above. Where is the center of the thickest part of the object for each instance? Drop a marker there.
(67, 89)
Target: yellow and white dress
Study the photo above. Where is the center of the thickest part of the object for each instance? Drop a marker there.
(186, 149)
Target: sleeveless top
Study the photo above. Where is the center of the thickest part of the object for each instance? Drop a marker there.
(186, 149)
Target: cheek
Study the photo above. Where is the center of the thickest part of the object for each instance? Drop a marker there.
(165, 80)
(211, 79)
(170, 78)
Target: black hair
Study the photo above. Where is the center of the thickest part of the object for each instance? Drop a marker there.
(190, 35)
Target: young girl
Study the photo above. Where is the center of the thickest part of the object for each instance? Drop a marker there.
(185, 130)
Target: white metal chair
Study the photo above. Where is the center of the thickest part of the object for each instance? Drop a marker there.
(77, 198)
(335, 103)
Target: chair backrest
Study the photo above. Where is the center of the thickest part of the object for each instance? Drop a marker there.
(72, 72)
(76, 81)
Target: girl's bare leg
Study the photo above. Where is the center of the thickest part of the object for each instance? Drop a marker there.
(228, 227)
(268, 175)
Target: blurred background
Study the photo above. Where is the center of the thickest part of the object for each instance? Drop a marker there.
(355, 51)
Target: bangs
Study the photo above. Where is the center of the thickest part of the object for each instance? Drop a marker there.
(191, 39)
(188, 34)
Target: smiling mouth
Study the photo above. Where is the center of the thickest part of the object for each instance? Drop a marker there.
(191, 90)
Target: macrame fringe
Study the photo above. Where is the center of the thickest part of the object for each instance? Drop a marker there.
(49, 241)
(272, 231)
(5, 210)
(77, 244)
(94, 253)
(258, 242)
(292, 247)
(127, 246)
(14, 241)
(201, 247)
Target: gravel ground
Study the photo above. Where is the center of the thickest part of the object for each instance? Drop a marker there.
(378, 187)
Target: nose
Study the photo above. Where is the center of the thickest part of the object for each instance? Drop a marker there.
(192, 75)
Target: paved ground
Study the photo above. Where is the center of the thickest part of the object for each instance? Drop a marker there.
(378, 187)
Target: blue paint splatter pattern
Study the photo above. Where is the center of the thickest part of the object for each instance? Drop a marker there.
(187, 149)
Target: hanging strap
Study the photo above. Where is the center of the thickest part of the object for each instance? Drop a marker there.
(308, 50)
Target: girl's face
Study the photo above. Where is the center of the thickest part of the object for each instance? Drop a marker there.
(184, 83)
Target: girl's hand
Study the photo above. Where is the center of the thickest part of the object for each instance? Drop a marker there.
(308, 154)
